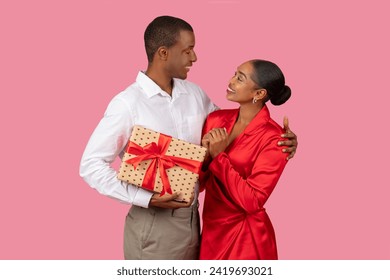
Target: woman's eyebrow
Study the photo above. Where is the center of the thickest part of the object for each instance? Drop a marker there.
(241, 73)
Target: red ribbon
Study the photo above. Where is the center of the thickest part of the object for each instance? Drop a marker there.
(156, 152)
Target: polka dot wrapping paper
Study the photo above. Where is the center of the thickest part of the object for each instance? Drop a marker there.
(161, 163)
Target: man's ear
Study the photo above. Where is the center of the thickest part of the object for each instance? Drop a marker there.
(162, 53)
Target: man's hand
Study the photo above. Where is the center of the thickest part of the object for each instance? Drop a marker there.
(168, 201)
(291, 143)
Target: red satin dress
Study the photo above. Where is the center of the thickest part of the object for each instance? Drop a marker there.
(238, 183)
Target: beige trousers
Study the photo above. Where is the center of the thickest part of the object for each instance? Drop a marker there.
(162, 234)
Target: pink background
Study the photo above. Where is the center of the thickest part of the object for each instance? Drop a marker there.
(62, 61)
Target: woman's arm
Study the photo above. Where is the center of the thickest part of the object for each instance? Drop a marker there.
(251, 193)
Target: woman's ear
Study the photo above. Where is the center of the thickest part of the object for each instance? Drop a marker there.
(261, 94)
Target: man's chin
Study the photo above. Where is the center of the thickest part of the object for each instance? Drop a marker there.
(183, 77)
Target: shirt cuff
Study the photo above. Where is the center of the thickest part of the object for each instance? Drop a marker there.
(142, 198)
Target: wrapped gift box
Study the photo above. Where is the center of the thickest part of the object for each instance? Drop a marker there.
(161, 163)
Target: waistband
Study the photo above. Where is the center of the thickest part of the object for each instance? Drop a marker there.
(180, 212)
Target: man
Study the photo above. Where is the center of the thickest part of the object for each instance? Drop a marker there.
(162, 100)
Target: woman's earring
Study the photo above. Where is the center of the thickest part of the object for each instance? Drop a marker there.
(254, 100)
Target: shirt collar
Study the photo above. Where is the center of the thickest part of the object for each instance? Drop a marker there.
(147, 84)
(261, 119)
(151, 88)
(178, 87)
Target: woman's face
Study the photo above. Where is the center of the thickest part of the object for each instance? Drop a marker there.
(241, 87)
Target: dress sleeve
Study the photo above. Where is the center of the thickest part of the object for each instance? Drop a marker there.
(250, 194)
(204, 172)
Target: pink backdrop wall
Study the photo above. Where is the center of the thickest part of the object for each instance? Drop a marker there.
(62, 61)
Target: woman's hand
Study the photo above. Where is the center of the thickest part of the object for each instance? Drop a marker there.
(218, 141)
(206, 140)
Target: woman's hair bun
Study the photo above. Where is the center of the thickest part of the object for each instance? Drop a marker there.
(282, 97)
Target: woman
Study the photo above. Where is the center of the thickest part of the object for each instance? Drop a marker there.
(245, 165)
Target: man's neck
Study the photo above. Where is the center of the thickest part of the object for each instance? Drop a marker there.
(161, 79)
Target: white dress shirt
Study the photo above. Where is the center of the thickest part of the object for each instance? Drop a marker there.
(143, 103)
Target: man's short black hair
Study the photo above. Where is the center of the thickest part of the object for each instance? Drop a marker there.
(163, 31)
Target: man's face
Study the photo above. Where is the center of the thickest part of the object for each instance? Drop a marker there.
(181, 55)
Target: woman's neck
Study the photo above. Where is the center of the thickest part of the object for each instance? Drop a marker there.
(247, 113)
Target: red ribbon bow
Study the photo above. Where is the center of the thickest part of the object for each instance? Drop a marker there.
(156, 152)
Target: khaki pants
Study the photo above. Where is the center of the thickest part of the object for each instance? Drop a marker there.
(162, 234)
